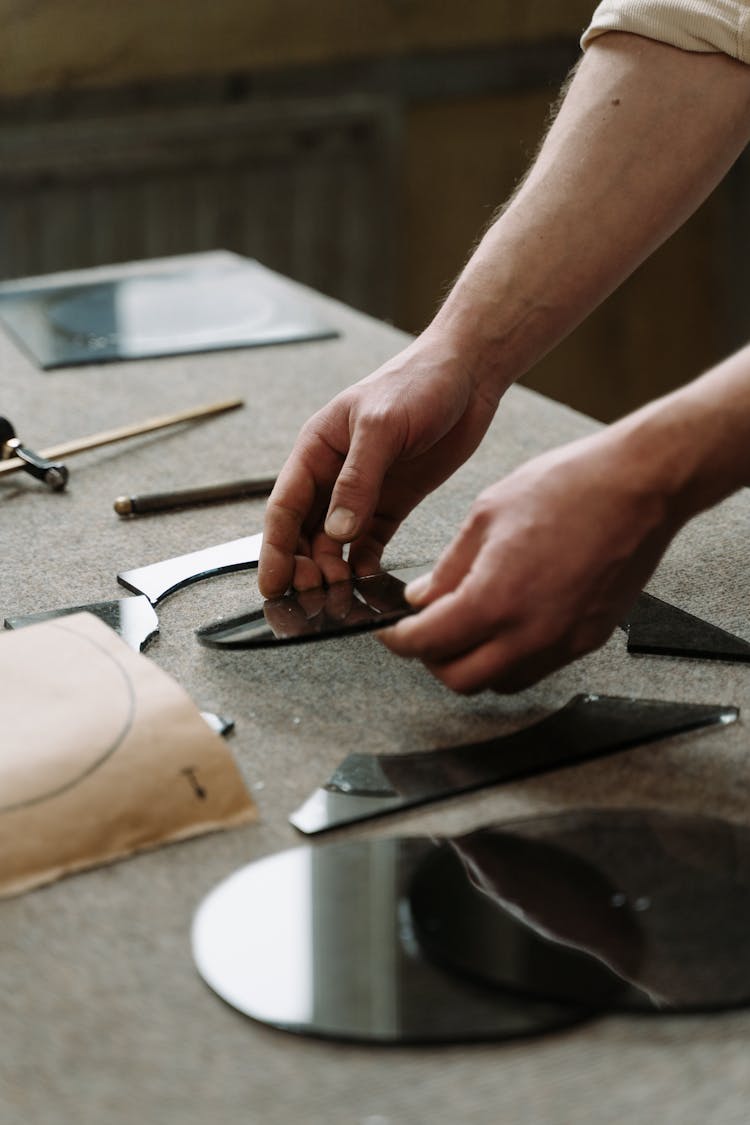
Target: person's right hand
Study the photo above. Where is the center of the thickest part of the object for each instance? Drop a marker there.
(365, 460)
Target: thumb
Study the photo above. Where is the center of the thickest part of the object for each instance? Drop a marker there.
(359, 484)
(449, 571)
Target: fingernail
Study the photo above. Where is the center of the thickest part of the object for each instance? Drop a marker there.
(340, 523)
(417, 589)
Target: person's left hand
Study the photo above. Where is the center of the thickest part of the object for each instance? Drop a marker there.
(544, 568)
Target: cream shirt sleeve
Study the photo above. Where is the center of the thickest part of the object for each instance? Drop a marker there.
(694, 25)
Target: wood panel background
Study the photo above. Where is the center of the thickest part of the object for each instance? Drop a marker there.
(457, 93)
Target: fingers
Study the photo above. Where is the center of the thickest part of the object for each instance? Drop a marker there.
(457, 614)
(296, 499)
(328, 560)
(459, 562)
(500, 665)
(306, 574)
(276, 562)
(340, 456)
(445, 630)
(473, 632)
(504, 657)
(374, 445)
(366, 552)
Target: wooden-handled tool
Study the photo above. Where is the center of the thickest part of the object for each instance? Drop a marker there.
(17, 457)
(188, 497)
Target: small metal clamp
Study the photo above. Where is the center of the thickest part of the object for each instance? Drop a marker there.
(53, 473)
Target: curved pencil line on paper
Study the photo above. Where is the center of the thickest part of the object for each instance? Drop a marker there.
(106, 754)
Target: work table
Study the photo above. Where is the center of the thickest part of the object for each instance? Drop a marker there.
(104, 1017)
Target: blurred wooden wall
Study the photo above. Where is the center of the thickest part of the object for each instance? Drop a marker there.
(361, 147)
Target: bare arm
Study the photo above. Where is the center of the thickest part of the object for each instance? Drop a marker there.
(644, 134)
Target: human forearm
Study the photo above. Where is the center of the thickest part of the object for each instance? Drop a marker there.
(644, 134)
(692, 447)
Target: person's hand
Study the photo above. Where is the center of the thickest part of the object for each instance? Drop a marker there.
(365, 460)
(544, 568)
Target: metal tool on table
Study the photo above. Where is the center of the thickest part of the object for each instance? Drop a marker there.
(189, 497)
(15, 457)
(53, 473)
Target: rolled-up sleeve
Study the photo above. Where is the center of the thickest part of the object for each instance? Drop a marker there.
(694, 25)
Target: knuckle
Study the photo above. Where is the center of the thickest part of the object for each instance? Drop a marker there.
(281, 519)
(352, 479)
(313, 431)
(375, 415)
(482, 511)
(383, 420)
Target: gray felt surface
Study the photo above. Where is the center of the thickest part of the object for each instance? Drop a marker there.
(103, 1017)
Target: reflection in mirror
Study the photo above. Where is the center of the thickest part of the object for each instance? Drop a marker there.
(356, 606)
(513, 929)
(468, 897)
(661, 900)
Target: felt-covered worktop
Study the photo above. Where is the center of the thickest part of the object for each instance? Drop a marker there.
(104, 1017)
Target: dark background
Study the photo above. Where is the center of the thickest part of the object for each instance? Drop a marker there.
(358, 147)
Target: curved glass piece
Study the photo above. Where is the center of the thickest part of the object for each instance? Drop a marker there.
(356, 606)
(647, 909)
(160, 579)
(320, 941)
(133, 619)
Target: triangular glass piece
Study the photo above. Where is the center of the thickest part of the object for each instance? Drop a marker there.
(588, 726)
(661, 629)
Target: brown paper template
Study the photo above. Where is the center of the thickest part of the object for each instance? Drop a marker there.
(102, 755)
